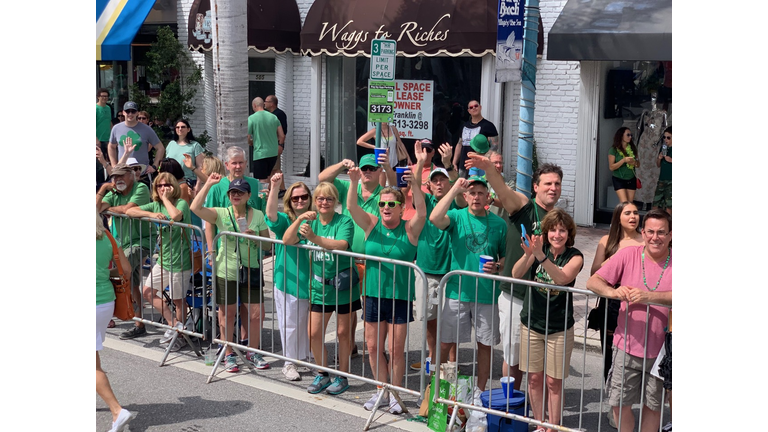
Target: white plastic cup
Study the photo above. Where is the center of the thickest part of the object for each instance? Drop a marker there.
(210, 358)
(484, 259)
(507, 383)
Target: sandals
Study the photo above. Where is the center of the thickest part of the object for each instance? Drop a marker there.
(111, 324)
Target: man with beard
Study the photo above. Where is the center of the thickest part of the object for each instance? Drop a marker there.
(120, 193)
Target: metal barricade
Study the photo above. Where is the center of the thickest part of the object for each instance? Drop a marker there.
(191, 308)
(239, 348)
(582, 420)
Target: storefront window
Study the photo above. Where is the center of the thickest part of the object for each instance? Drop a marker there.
(456, 81)
(112, 76)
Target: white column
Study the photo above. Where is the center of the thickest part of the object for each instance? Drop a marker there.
(209, 100)
(284, 93)
(589, 108)
(316, 83)
(490, 93)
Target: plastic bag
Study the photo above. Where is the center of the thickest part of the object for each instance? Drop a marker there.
(477, 421)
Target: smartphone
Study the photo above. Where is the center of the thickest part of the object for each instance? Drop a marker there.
(523, 233)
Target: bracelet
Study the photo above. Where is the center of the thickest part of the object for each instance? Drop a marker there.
(210, 252)
(449, 168)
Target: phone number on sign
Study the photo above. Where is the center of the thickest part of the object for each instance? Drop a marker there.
(411, 124)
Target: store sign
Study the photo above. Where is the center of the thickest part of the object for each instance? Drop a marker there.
(346, 38)
(203, 27)
(413, 108)
(509, 40)
(383, 54)
(381, 101)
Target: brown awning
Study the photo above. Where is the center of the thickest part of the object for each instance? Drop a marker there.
(426, 27)
(273, 25)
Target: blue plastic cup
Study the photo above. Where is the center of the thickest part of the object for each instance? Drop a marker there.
(507, 383)
(400, 171)
(484, 259)
(476, 172)
(377, 152)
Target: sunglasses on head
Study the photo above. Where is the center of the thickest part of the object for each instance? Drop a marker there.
(391, 204)
(369, 168)
(298, 198)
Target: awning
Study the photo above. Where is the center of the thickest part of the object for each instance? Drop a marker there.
(426, 27)
(612, 30)
(117, 22)
(272, 26)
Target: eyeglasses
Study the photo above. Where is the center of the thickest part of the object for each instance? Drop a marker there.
(178, 127)
(391, 204)
(298, 198)
(651, 233)
(130, 111)
(141, 118)
(236, 192)
(667, 137)
(628, 135)
(369, 168)
(164, 185)
(324, 199)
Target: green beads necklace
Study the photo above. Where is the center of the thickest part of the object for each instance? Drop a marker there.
(662, 271)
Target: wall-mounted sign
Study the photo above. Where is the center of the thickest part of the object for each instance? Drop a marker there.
(509, 44)
(381, 101)
(413, 108)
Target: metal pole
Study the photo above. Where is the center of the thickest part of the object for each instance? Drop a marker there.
(527, 99)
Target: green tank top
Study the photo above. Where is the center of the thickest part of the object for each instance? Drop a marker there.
(381, 279)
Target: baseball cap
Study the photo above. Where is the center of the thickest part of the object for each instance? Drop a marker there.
(239, 185)
(480, 144)
(120, 169)
(425, 143)
(438, 171)
(368, 160)
(474, 179)
(130, 105)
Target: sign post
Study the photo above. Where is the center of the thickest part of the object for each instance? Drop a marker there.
(381, 86)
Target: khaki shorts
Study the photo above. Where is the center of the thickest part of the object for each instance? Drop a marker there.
(136, 256)
(178, 283)
(557, 344)
(430, 297)
(626, 375)
(509, 323)
(465, 315)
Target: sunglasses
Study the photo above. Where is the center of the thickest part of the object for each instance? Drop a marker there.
(164, 185)
(298, 198)
(369, 169)
(667, 137)
(137, 169)
(141, 118)
(474, 106)
(324, 199)
(178, 127)
(130, 111)
(629, 135)
(391, 204)
(236, 192)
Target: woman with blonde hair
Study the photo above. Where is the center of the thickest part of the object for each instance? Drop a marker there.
(173, 268)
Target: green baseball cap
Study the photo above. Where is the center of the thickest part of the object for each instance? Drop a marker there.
(474, 179)
(480, 144)
(368, 160)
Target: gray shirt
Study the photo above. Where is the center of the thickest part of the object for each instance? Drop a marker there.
(141, 134)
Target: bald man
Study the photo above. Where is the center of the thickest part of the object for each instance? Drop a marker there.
(265, 134)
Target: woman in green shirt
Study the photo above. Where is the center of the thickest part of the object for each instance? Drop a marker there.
(334, 281)
(234, 253)
(622, 161)
(291, 273)
(183, 143)
(389, 290)
(174, 265)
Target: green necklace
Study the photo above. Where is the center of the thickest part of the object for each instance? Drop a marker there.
(662, 271)
(394, 238)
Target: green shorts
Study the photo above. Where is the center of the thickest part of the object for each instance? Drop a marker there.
(227, 291)
(663, 196)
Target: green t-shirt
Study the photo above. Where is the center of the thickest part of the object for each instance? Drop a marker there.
(472, 236)
(530, 215)
(105, 293)
(174, 250)
(135, 232)
(434, 251)
(262, 127)
(175, 151)
(623, 172)
(371, 205)
(103, 123)
(250, 255)
(665, 171)
(290, 260)
(393, 244)
(557, 299)
(341, 227)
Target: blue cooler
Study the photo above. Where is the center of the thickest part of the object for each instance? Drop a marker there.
(516, 406)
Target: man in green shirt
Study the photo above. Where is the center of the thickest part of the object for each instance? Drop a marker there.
(103, 127)
(547, 186)
(118, 195)
(265, 134)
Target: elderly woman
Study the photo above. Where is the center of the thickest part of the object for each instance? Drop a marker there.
(334, 282)
(239, 217)
(291, 272)
(549, 313)
(173, 268)
(389, 291)
(105, 306)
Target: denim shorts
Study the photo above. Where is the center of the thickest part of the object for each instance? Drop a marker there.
(401, 312)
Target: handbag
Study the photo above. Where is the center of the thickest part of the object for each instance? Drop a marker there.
(123, 301)
(345, 279)
(596, 316)
(639, 185)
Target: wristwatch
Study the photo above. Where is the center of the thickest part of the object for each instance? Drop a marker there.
(450, 168)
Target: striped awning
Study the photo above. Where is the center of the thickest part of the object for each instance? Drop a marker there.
(117, 22)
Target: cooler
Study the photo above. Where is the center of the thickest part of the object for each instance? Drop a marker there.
(516, 406)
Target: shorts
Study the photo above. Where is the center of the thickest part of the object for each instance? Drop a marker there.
(103, 315)
(262, 168)
(399, 313)
(177, 283)
(278, 164)
(227, 293)
(342, 309)
(136, 256)
(430, 297)
(510, 308)
(663, 196)
(459, 316)
(619, 184)
(556, 344)
(626, 375)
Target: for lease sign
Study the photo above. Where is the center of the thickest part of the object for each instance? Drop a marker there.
(413, 108)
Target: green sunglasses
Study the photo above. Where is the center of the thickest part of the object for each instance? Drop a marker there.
(391, 204)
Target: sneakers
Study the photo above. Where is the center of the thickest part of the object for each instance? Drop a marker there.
(180, 342)
(319, 384)
(231, 365)
(167, 336)
(372, 401)
(339, 386)
(290, 372)
(394, 406)
(122, 421)
(136, 331)
(667, 427)
(257, 361)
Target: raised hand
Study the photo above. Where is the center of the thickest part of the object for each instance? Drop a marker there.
(461, 185)
(421, 153)
(188, 161)
(446, 154)
(384, 158)
(128, 145)
(354, 175)
(348, 163)
(213, 179)
(308, 216)
(528, 250)
(276, 179)
(475, 160)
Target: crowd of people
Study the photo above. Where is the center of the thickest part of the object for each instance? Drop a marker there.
(445, 218)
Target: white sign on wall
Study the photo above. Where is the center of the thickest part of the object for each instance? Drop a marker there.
(413, 109)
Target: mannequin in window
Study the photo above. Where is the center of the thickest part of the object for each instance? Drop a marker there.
(650, 127)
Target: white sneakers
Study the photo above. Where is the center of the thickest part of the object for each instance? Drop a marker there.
(122, 421)
(291, 373)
